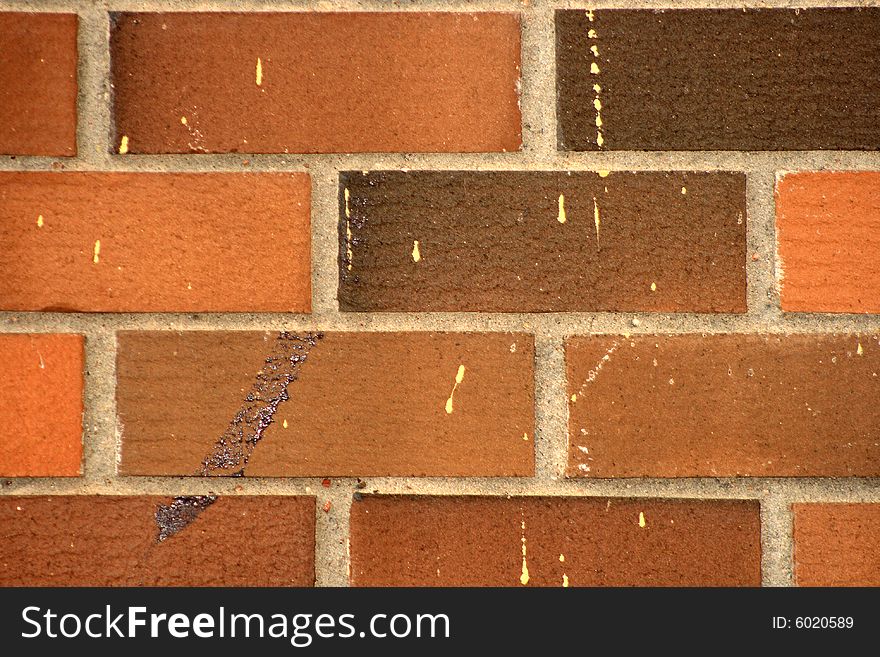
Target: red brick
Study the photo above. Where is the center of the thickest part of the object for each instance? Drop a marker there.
(542, 241)
(828, 227)
(724, 406)
(360, 404)
(41, 405)
(329, 82)
(837, 544)
(155, 242)
(85, 540)
(38, 84)
(494, 541)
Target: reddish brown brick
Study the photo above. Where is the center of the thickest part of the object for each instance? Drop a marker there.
(142, 242)
(85, 540)
(41, 405)
(38, 84)
(718, 79)
(360, 404)
(542, 241)
(828, 227)
(311, 82)
(552, 541)
(724, 406)
(837, 544)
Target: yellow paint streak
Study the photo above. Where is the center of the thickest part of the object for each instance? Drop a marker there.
(40, 221)
(97, 255)
(600, 140)
(347, 208)
(259, 72)
(123, 145)
(349, 253)
(859, 349)
(598, 105)
(596, 219)
(524, 575)
(642, 522)
(284, 424)
(416, 254)
(597, 87)
(653, 287)
(561, 216)
(564, 581)
(459, 377)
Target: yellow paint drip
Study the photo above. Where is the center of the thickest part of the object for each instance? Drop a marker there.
(259, 72)
(574, 397)
(590, 15)
(859, 349)
(97, 255)
(597, 87)
(349, 253)
(525, 436)
(596, 219)
(524, 575)
(564, 581)
(347, 195)
(594, 68)
(459, 377)
(642, 522)
(284, 424)
(591, 33)
(603, 173)
(653, 287)
(416, 254)
(684, 191)
(40, 221)
(600, 140)
(183, 120)
(561, 216)
(562, 558)
(123, 145)
(594, 50)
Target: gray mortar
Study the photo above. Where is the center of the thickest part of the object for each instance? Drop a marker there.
(100, 434)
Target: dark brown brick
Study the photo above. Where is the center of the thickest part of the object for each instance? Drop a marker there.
(552, 541)
(38, 84)
(724, 406)
(85, 540)
(715, 79)
(155, 242)
(530, 241)
(361, 404)
(837, 544)
(327, 82)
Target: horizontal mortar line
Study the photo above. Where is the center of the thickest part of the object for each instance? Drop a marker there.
(735, 161)
(553, 324)
(791, 489)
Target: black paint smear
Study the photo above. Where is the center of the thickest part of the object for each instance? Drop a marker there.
(233, 449)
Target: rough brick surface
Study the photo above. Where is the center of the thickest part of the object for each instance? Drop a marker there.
(536, 541)
(85, 540)
(327, 82)
(542, 241)
(828, 229)
(724, 405)
(142, 242)
(837, 544)
(38, 84)
(711, 79)
(361, 404)
(41, 405)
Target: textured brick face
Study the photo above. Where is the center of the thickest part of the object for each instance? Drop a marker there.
(837, 544)
(362, 404)
(542, 241)
(38, 84)
(828, 228)
(41, 405)
(84, 540)
(141, 242)
(724, 406)
(326, 82)
(480, 541)
(756, 79)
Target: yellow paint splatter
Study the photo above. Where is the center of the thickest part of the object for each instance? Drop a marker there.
(600, 140)
(590, 15)
(40, 221)
(284, 424)
(416, 254)
(524, 575)
(183, 120)
(259, 72)
(459, 377)
(561, 216)
(642, 522)
(684, 191)
(562, 558)
(574, 397)
(564, 581)
(597, 87)
(653, 287)
(603, 173)
(97, 254)
(594, 68)
(859, 349)
(598, 105)
(596, 219)
(595, 50)
(123, 145)
(591, 33)
(525, 436)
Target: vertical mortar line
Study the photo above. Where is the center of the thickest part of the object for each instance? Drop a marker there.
(762, 290)
(332, 535)
(99, 417)
(538, 81)
(551, 409)
(325, 215)
(93, 100)
(777, 543)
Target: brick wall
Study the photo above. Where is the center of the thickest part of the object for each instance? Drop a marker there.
(508, 293)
